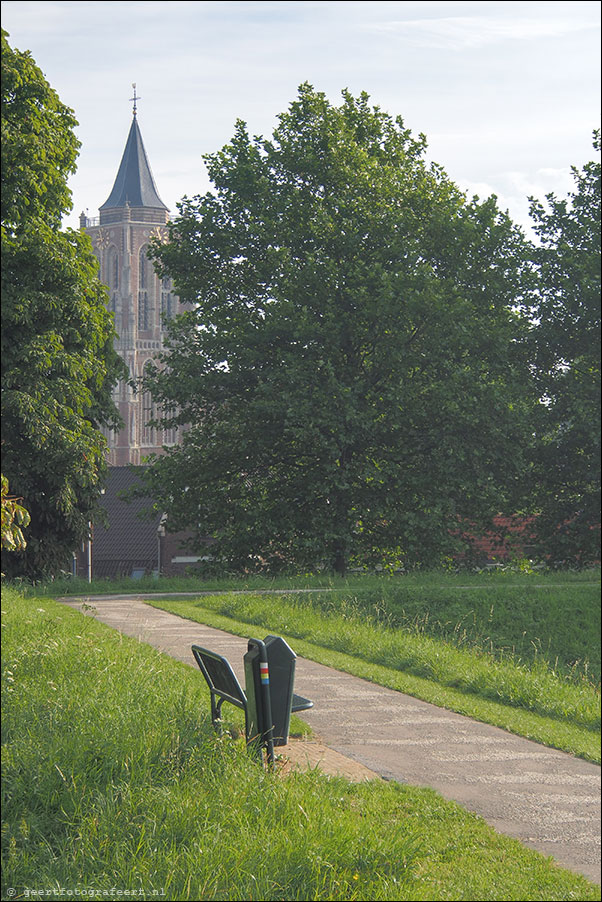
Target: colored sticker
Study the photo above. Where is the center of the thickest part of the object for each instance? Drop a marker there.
(263, 670)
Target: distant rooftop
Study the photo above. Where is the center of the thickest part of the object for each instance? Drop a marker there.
(129, 541)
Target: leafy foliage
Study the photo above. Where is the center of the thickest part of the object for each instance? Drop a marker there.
(567, 353)
(349, 366)
(14, 518)
(58, 362)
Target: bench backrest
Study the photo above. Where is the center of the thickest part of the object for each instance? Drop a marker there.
(220, 676)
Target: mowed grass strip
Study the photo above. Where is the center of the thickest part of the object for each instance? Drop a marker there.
(115, 786)
(530, 700)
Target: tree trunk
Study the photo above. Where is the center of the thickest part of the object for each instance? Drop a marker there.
(340, 560)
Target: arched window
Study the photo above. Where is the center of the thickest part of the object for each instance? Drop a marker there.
(143, 311)
(170, 436)
(143, 265)
(113, 268)
(146, 290)
(149, 412)
(167, 305)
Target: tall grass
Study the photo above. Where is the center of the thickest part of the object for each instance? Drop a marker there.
(524, 621)
(544, 615)
(115, 786)
(344, 628)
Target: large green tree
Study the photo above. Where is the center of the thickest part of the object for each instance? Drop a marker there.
(349, 367)
(58, 362)
(566, 341)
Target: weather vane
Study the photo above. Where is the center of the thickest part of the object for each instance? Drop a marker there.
(135, 98)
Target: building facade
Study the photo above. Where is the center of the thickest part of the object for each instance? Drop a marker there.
(131, 217)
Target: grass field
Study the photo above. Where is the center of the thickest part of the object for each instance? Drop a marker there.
(115, 786)
(524, 621)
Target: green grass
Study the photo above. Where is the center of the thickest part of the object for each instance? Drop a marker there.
(115, 786)
(550, 615)
(530, 699)
(520, 650)
(557, 623)
(353, 582)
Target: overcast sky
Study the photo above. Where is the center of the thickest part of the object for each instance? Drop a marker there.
(507, 93)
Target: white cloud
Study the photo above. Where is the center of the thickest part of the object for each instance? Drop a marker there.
(506, 100)
(540, 182)
(513, 189)
(465, 32)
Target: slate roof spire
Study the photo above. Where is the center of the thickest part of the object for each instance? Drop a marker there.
(134, 184)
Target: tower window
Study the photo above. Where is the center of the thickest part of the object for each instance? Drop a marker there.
(143, 311)
(113, 269)
(143, 263)
(149, 412)
(167, 305)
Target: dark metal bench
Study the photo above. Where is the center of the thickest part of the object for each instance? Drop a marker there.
(222, 682)
(269, 698)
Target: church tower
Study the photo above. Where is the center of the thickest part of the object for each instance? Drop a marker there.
(130, 218)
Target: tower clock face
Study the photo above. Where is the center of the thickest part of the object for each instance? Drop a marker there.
(102, 238)
(159, 234)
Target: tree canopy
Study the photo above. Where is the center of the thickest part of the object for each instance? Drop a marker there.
(566, 343)
(58, 361)
(350, 369)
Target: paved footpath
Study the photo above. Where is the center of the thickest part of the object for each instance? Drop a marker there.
(547, 799)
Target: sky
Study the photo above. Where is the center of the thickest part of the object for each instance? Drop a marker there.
(507, 93)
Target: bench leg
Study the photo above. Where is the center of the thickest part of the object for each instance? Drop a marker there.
(216, 713)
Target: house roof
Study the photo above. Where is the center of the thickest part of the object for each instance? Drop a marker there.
(134, 184)
(130, 537)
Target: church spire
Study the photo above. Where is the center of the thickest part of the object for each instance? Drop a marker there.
(134, 184)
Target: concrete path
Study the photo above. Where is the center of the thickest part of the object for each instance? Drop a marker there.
(547, 799)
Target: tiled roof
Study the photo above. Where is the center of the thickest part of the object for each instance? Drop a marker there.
(134, 184)
(131, 537)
